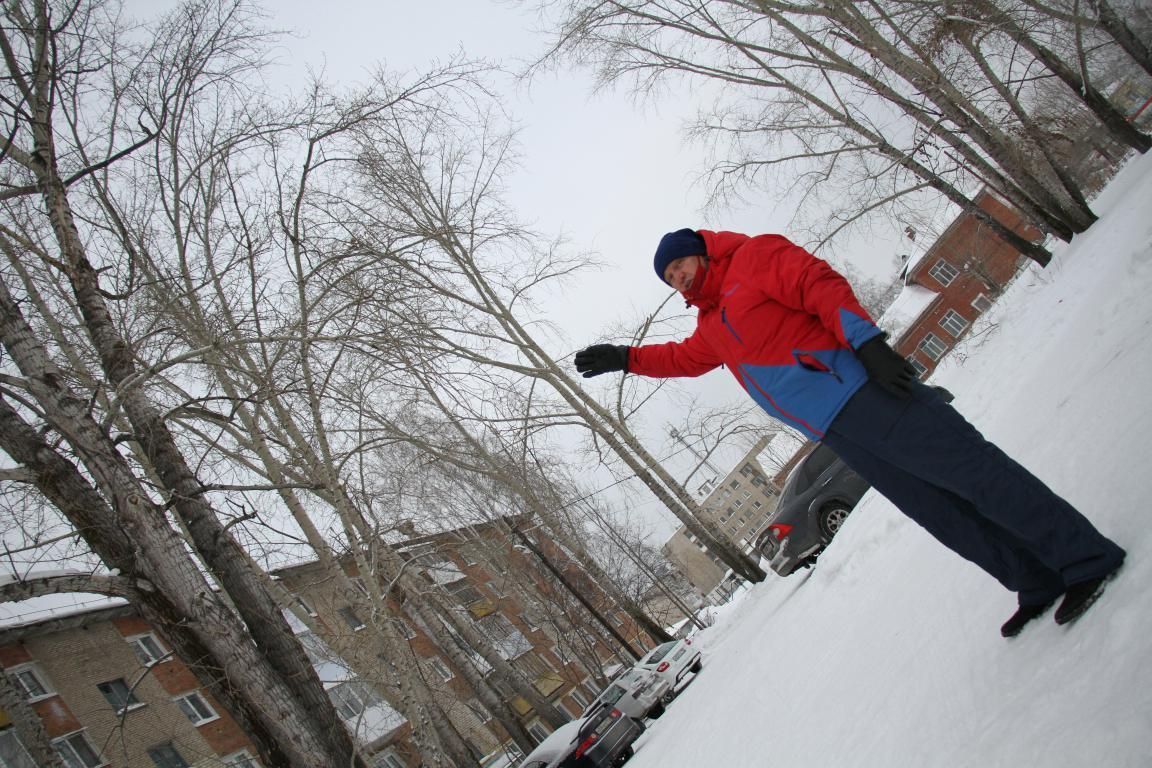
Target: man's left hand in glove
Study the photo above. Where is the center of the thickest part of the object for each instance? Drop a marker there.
(886, 366)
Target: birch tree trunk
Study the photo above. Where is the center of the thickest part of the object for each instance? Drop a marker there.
(130, 534)
(29, 729)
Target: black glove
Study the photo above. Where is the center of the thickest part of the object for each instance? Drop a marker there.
(886, 367)
(601, 358)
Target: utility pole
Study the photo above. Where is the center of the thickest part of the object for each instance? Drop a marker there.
(675, 434)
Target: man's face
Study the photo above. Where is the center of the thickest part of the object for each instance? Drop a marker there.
(680, 272)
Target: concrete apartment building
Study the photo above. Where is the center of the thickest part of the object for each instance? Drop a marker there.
(109, 693)
(737, 507)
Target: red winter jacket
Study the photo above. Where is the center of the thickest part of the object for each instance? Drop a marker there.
(783, 321)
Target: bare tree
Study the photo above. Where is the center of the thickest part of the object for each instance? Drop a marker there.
(846, 93)
(434, 222)
(28, 727)
(56, 62)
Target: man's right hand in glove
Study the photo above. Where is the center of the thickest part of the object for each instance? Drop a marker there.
(601, 358)
(886, 366)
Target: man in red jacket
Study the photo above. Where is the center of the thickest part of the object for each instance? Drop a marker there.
(792, 332)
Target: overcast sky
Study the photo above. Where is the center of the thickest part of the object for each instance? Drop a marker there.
(610, 174)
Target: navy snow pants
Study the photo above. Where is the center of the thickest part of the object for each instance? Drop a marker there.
(941, 472)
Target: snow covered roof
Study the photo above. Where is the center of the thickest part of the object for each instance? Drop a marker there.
(39, 609)
(912, 301)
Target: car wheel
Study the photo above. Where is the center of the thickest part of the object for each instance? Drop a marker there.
(832, 517)
(656, 711)
(625, 756)
(698, 665)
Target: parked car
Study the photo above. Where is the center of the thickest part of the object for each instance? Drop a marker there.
(674, 661)
(817, 498)
(601, 739)
(637, 693)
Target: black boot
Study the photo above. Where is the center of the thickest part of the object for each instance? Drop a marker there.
(1023, 615)
(1080, 597)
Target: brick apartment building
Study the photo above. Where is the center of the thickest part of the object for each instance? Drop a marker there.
(109, 693)
(953, 283)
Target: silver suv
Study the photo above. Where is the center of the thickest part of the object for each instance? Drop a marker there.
(636, 692)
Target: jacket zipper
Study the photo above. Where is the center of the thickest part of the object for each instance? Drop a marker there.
(813, 363)
(728, 325)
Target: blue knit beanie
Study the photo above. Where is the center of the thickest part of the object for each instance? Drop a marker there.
(682, 242)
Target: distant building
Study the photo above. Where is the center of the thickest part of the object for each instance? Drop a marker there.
(109, 693)
(955, 281)
(737, 508)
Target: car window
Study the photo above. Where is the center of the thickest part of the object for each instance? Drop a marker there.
(659, 652)
(612, 694)
(629, 678)
(812, 467)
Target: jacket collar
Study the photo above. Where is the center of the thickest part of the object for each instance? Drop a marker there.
(720, 247)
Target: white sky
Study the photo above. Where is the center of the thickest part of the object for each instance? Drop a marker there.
(608, 173)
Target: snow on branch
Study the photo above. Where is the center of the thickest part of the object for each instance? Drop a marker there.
(58, 582)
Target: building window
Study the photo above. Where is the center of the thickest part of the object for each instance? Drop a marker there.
(147, 649)
(76, 751)
(403, 629)
(387, 759)
(921, 369)
(440, 669)
(119, 695)
(196, 708)
(305, 606)
(537, 731)
(508, 641)
(167, 756)
(465, 593)
(580, 699)
(32, 681)
(932, 346)
(734, 484)
(954, 323)
(352, 698)
(982, 303)
(738, 503)
(12, 751)
(242, 759)
(944, 272)
(351, 619)
(478, 710)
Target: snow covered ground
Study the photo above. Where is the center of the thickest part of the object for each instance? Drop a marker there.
(888, 653)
